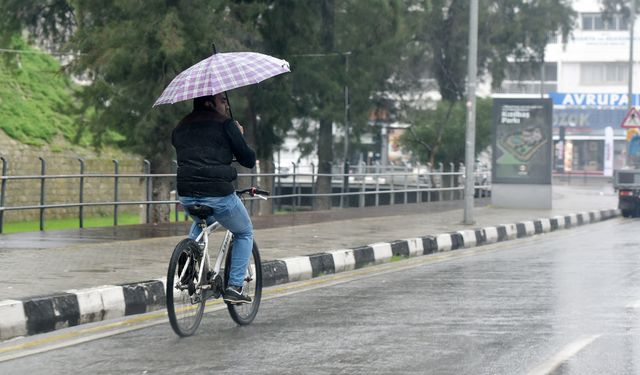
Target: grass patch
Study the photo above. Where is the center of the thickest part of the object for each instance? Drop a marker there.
(74, 223)
(36, 97)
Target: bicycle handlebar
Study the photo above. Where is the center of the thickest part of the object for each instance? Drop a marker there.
(252, 191)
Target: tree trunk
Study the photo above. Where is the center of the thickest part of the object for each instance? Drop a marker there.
(325, 158)
(160, 164)
(266, 183)
(438, 142)
(325, 135)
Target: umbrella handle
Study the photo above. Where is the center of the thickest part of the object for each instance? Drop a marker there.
(228, 104)
(213, 46)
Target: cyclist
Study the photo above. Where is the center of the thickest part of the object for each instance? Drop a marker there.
(206, 141)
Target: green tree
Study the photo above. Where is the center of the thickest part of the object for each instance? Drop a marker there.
(318, 37)
(509, 30)
(130, 51)
(452, 150)
(623, 7)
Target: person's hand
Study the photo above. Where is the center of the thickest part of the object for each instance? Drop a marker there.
(240, 128)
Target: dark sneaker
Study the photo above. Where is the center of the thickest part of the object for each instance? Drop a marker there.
(235, 295)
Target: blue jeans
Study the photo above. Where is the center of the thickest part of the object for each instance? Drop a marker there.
(231, 213)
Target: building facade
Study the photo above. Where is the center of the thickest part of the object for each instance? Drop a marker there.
(588, 80)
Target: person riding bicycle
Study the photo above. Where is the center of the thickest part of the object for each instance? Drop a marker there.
(206, 141)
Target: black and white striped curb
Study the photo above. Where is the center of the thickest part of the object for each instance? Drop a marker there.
(36, 315)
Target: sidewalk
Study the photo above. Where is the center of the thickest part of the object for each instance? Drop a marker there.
(41, 264)
(97, 258)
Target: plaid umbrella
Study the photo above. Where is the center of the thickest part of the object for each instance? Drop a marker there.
(221, 72)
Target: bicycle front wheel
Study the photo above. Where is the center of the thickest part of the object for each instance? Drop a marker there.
(244, 314)
(185, 302)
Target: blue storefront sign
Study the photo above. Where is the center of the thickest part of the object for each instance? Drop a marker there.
(572, 99)
(588, 118)
(590, 113)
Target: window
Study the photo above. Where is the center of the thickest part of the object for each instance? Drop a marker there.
(595, 21)
(603, 73)
(531, 72)
(587, 22)
(551, 71)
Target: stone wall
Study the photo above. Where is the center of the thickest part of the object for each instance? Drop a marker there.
(62, 158)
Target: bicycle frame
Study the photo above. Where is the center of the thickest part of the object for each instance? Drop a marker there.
(224, 246)
(204, 237)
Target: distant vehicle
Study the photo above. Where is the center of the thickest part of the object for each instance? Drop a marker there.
(627, 183)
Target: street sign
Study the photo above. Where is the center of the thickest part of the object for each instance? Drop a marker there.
(632, 119)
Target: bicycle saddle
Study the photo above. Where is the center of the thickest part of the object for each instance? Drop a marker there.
(200, 211)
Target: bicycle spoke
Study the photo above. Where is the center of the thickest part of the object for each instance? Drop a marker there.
(185, 304)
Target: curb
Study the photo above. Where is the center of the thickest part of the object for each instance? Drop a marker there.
(35, 315)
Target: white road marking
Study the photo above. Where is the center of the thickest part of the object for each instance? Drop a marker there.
(562, 356)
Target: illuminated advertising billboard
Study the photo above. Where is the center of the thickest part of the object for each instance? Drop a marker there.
(522, 141)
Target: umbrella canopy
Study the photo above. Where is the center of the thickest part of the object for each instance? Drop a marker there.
(221, 72)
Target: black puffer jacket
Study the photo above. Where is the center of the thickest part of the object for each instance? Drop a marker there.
(205, 144)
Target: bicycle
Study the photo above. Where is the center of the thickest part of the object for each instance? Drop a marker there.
(191, 280)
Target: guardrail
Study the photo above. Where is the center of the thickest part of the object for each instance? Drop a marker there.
(364, 185)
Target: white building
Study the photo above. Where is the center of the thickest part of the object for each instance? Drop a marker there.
(588, 79)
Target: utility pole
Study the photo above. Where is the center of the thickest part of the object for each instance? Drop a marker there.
(471, 114)
(346, 107)
(345, 182)
(632, 21)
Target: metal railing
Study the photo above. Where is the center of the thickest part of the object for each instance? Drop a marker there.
(363, 185)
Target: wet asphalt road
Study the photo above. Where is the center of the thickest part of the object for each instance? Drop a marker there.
(560, 303)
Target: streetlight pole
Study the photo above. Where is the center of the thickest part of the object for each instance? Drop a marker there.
(632, 21)
(344, 199)
(346, 108)
(471, 114)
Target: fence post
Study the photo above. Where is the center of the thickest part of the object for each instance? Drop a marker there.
(406, 186)
(418, 190)
(377, 190)
(274, 187)
(363, 195)
(294, 198)
(116, 165)
(313, 185)
(147, 190)
(279, 171)
(451, 181)
(392, 185)
(441, 171)
(344, 199)
(3, 191)
(431, 181)
(253, 183)
(462, 167)
(81, 197)
(43, 171)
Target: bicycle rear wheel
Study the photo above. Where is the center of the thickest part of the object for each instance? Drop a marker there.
(185, 302)
(244, 314)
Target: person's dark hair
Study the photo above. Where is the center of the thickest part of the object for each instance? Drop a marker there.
(198, 103)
